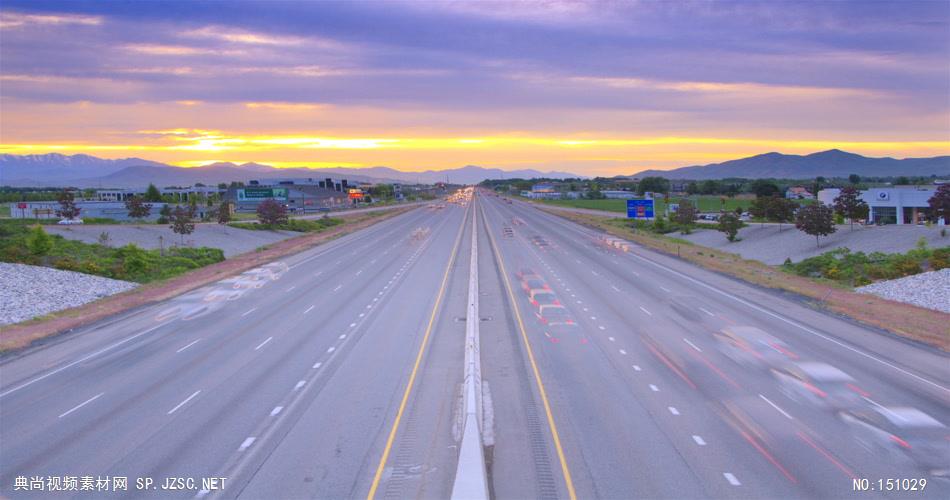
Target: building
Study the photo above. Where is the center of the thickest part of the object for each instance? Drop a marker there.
(542, 192)
(891, 205)
(797, 193)
(298, 195)
(115, 210)
(619, 195)
(179, 194)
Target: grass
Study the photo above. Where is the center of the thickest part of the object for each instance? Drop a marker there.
(906, 320)
(129, 262)
(299, 225)
(4, 210)
(705, 203)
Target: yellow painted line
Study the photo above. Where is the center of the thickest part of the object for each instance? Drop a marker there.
(568, 482)
(415, 367)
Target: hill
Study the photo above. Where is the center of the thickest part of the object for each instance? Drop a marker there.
(55, 169)
(831, 163)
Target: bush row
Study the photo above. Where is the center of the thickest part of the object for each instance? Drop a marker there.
(858, 268)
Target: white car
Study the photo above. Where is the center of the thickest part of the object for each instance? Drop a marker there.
(69, 222)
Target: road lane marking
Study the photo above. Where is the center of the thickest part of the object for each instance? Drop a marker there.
(665, 289)
(309, 309)
(343, 336)
(776, 407)
(615, 288)
(654, 388)
(635, 273)
(359, 272)
(699, 440)
(623, 352)
(673, 410)
(300, 383)
(692, 344)
(262, 344)
(611, 339)
(80, 360)
(316, 365)
(276, 410)
(707, 312)
(732, 479)
(352, 325)
(189, 345)
(291, 288)
(636, 368)
(338, 287)
(247, 442)
(415, 367)
(331, 349)
(644, 310)
(249, 311)
(566, 473)
(179, 405)
(318, 273)
(80, 405)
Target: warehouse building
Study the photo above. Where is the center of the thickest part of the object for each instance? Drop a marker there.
(891, 205)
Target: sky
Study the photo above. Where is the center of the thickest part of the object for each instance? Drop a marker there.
(593, 88)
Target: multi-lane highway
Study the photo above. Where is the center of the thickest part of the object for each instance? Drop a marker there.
(338, 373)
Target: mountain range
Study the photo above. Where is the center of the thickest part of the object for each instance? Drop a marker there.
(54, 169)
(831, 163)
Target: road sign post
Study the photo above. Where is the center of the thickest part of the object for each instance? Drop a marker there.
(639, 209)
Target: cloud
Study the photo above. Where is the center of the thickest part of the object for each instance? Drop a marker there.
(11, 20)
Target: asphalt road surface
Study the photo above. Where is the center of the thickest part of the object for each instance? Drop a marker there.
(340, 376)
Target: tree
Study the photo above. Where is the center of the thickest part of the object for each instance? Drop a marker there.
(763, 188)
(854, 178)
(653, 185)
(710, 187)
(182, 223)
(685, 215)
(817, 220)
(781, 210)
(730, 224)
(849, 204)
(692, 188)
(67, 205)
(271, 213)
(222, 185)
(819, 181)
(940, 204)
(224, 213)
(137, 207)
(759, 208)
(39, 243)
(153, 194)
(902, 181)
(164, 214)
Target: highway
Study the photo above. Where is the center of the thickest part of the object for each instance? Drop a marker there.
(338, 374)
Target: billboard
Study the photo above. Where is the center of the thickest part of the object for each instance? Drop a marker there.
(261, 193)
(640, 209)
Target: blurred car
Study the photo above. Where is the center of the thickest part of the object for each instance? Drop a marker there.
(818, 384)
(534, 283)
(69, 222)
(553, 315)
(542, 296)
(904, 433)
(525, 274)
(750, 346)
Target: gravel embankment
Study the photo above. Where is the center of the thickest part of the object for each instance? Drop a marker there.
(930, 290)
(770, 245)
(30, 291)
(230, 240)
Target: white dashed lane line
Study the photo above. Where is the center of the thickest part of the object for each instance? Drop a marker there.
(732, 479)
(623, 352)
(654, 388)
(707, 312)
(316, 365)
(300, 384)
(331, 349)
(699, 440)
(673, 410)
(773, 405)
(615, 288)
(262, 344)
(309, 309)
(667, 290)
(249, 311)
(692, 345)
(189, 345)
(647, 312)
(291, 288)
(179, 405)
(247, 443)
(636, 368)
(80, 405)
(276, 410)
(338, 287)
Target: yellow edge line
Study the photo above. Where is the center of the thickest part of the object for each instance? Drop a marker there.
(415, 367)
(568, 482)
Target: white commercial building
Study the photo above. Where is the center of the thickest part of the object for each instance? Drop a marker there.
(891, 205)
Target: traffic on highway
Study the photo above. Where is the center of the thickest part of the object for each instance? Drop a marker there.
(593, 367)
